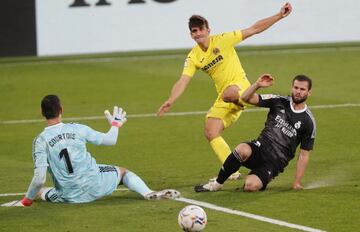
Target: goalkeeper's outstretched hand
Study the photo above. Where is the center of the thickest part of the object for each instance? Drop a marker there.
(118, 118)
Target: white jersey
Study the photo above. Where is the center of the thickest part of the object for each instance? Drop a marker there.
(62, 148)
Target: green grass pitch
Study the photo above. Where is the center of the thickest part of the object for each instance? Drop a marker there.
(171, 152)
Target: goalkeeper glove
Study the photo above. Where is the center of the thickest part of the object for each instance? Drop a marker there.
(19, 203)
(118, 118)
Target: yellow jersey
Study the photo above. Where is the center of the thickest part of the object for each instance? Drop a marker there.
(220, 61)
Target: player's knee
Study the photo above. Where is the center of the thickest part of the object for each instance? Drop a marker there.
(244, 150)
(251, 187)
(210, 133)
(230, 97)
(252, 184)
(231, 94)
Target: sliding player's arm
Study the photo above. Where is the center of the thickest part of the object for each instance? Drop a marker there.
(301, 165)
(250, 96)
(307, 144)
(265, 23)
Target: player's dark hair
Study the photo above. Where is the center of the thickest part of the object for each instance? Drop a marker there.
(51, 106)
(197, 21)
(303, 78)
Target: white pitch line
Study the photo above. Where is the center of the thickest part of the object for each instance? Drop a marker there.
(248, 215)
(221, 209)
(122, 189)
(11, 194)
(147, 115)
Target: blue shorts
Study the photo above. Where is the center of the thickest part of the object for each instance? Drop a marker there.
(104, 183)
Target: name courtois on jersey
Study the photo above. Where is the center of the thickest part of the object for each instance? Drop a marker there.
(61, 137)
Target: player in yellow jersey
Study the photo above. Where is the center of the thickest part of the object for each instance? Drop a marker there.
(216, 56)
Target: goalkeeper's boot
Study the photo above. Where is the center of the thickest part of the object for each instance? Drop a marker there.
(212, 186)
(163, 194)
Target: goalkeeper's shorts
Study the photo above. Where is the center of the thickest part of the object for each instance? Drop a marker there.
(104, 184)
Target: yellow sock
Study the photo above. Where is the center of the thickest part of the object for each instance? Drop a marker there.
(221, 148)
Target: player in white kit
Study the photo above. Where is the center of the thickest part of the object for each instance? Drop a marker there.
(61, 149)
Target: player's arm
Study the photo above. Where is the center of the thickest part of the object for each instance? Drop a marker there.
(176, 91)
(116, 120)
(301, 165)
(39, 177)
(265, 23)
(250, 96)
(40, 155)
(35, 186)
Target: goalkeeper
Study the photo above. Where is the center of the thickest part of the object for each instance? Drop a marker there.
(61, 149)
(216, 56)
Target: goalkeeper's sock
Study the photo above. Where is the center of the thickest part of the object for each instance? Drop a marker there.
(221, 148)
(135, 183)
(231, 165)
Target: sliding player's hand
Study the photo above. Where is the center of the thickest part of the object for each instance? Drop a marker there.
(118, 118)
(298, 187)
(265, 80)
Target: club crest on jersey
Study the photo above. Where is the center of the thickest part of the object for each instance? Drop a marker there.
(216, 51)
(297, 125)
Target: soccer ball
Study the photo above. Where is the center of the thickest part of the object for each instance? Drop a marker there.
(192, 218)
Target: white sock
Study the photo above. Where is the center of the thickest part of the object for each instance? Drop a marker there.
(135, 183)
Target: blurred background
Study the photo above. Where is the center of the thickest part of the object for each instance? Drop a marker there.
(65, 27)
